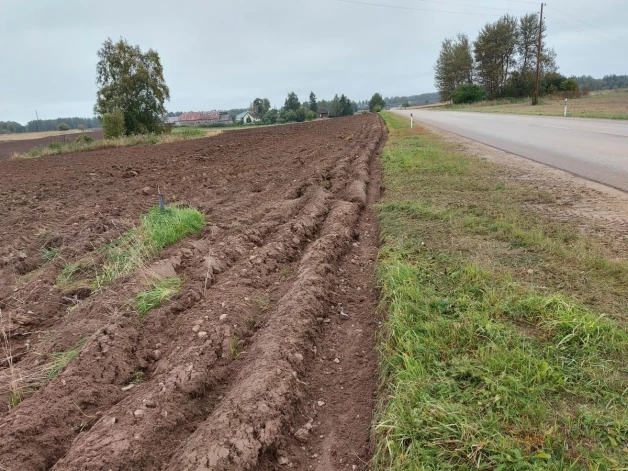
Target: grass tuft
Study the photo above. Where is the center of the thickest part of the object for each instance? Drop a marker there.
(485, 366)
(160, 291)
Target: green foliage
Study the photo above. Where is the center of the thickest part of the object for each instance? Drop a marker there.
(81, 127)
(270, 117)
(63, 127)
(61, 359)
(292, 102)
(569, 85)
(313, 105)
(310, 115)
(113, 124)
(405, 103)
(159, 292)
(377, 109)
(485, 367)
(131, 81)
(454, 65)
(84, 139)
(468, 93)
(300, 115)
(48, 254)
(376, 101)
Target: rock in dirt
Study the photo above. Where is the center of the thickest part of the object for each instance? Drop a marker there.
(303, 434)
(139, 413)
(147, 190)
(344, 316)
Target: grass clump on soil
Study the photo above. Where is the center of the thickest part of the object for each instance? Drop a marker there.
(157, 230)
(48, 254)
(159, 292)
(486, 365)
(84, 145)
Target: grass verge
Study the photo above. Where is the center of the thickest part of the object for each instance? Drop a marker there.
(159, 292)
(59, 147)
(505, 337)
(157, 230)
(608, 105)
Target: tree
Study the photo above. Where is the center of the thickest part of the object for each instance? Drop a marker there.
(113, 124)
(313, 104)
(454, 65)
(569, 85)
(81, 127)
(265, 105)
(300, 114)
(376, 100)
(292, 102)
(63, 127)
(131, 81)
(468, 93)
(404, 103)
(495, 54)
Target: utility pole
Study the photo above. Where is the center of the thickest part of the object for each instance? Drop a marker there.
(538, 58)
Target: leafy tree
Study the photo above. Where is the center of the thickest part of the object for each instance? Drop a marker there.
(287, 116)
(63, 127)
(113, 124)
(569, 85)
(270, 117)
(405, 103)
(292, 102)
(81, 127)
(376, 100)
(495, 54)
(300, 115)
(454, 65)
(131, 81)
(313, 104)
(310, 115)
(468, 93)
(265, 106)
(377, 109)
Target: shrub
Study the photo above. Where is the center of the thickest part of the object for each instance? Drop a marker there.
(569, 85)
(63, 127)
(81, 127)
(377, 109)
(113, 124)
(55, 145)
(468, 93)
(84, 138)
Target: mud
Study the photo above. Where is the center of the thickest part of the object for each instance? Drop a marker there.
(8, 148)
(265, 360)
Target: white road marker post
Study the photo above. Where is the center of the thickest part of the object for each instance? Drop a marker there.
(411, 120)
(565, 107)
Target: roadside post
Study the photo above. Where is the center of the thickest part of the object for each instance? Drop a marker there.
(565, 107)
(411, 120)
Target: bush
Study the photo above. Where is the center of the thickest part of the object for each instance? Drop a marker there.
(468, 93)
(377, 109)
(81, 127)
(63, 127)
(569, 85)
(84, 138)
(113, 124)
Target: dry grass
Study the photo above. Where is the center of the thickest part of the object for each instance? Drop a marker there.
(38, 135)
(608, 104)
(58, 148)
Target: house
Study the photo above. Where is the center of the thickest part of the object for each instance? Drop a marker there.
(174, 120)
(323, 113)
(199, 118)
(225, 118)
(247, 117)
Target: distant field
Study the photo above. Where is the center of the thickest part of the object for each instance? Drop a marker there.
(38, 135)
(609, 104)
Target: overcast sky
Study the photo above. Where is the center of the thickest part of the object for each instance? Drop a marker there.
(222, 54)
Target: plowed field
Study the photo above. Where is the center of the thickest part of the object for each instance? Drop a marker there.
(251, 365)
(10, 147)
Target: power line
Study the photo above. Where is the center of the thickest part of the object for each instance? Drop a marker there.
(584, 23)
(414, 9)
(468, 5)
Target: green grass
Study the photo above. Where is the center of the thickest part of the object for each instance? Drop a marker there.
(485, 365)
(159, 292)
(48, 254)
(61, 359)
(157, 230)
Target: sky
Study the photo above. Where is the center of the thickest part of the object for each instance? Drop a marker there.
(221, 54)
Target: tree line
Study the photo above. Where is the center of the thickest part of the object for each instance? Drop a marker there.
(37, 125)
(608, 82)
(501, 62)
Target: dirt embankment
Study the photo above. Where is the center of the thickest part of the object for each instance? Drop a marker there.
(8, 148)
(264, 360)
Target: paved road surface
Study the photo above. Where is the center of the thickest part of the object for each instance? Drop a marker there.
(596, 149)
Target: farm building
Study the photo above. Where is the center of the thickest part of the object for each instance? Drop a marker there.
(225, 118)
(199, 118)
(247, 117)
(174, 120)
(323, 113)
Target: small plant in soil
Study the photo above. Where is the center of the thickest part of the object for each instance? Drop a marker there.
(263, 302)
(159, 292)
(61, 359)
(137, 377)
(48, 254)
(234, 347)
(285, 272)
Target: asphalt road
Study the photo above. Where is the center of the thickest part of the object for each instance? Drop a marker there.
(596, 149)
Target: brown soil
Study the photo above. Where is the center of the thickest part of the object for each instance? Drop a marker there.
(252, 365)
(8, 148)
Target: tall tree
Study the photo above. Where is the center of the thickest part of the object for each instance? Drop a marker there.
(495, 54)
(292, 102)
(376, 100)
(313, 103)
(454, 65)
(131, 81)
(265, 105)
